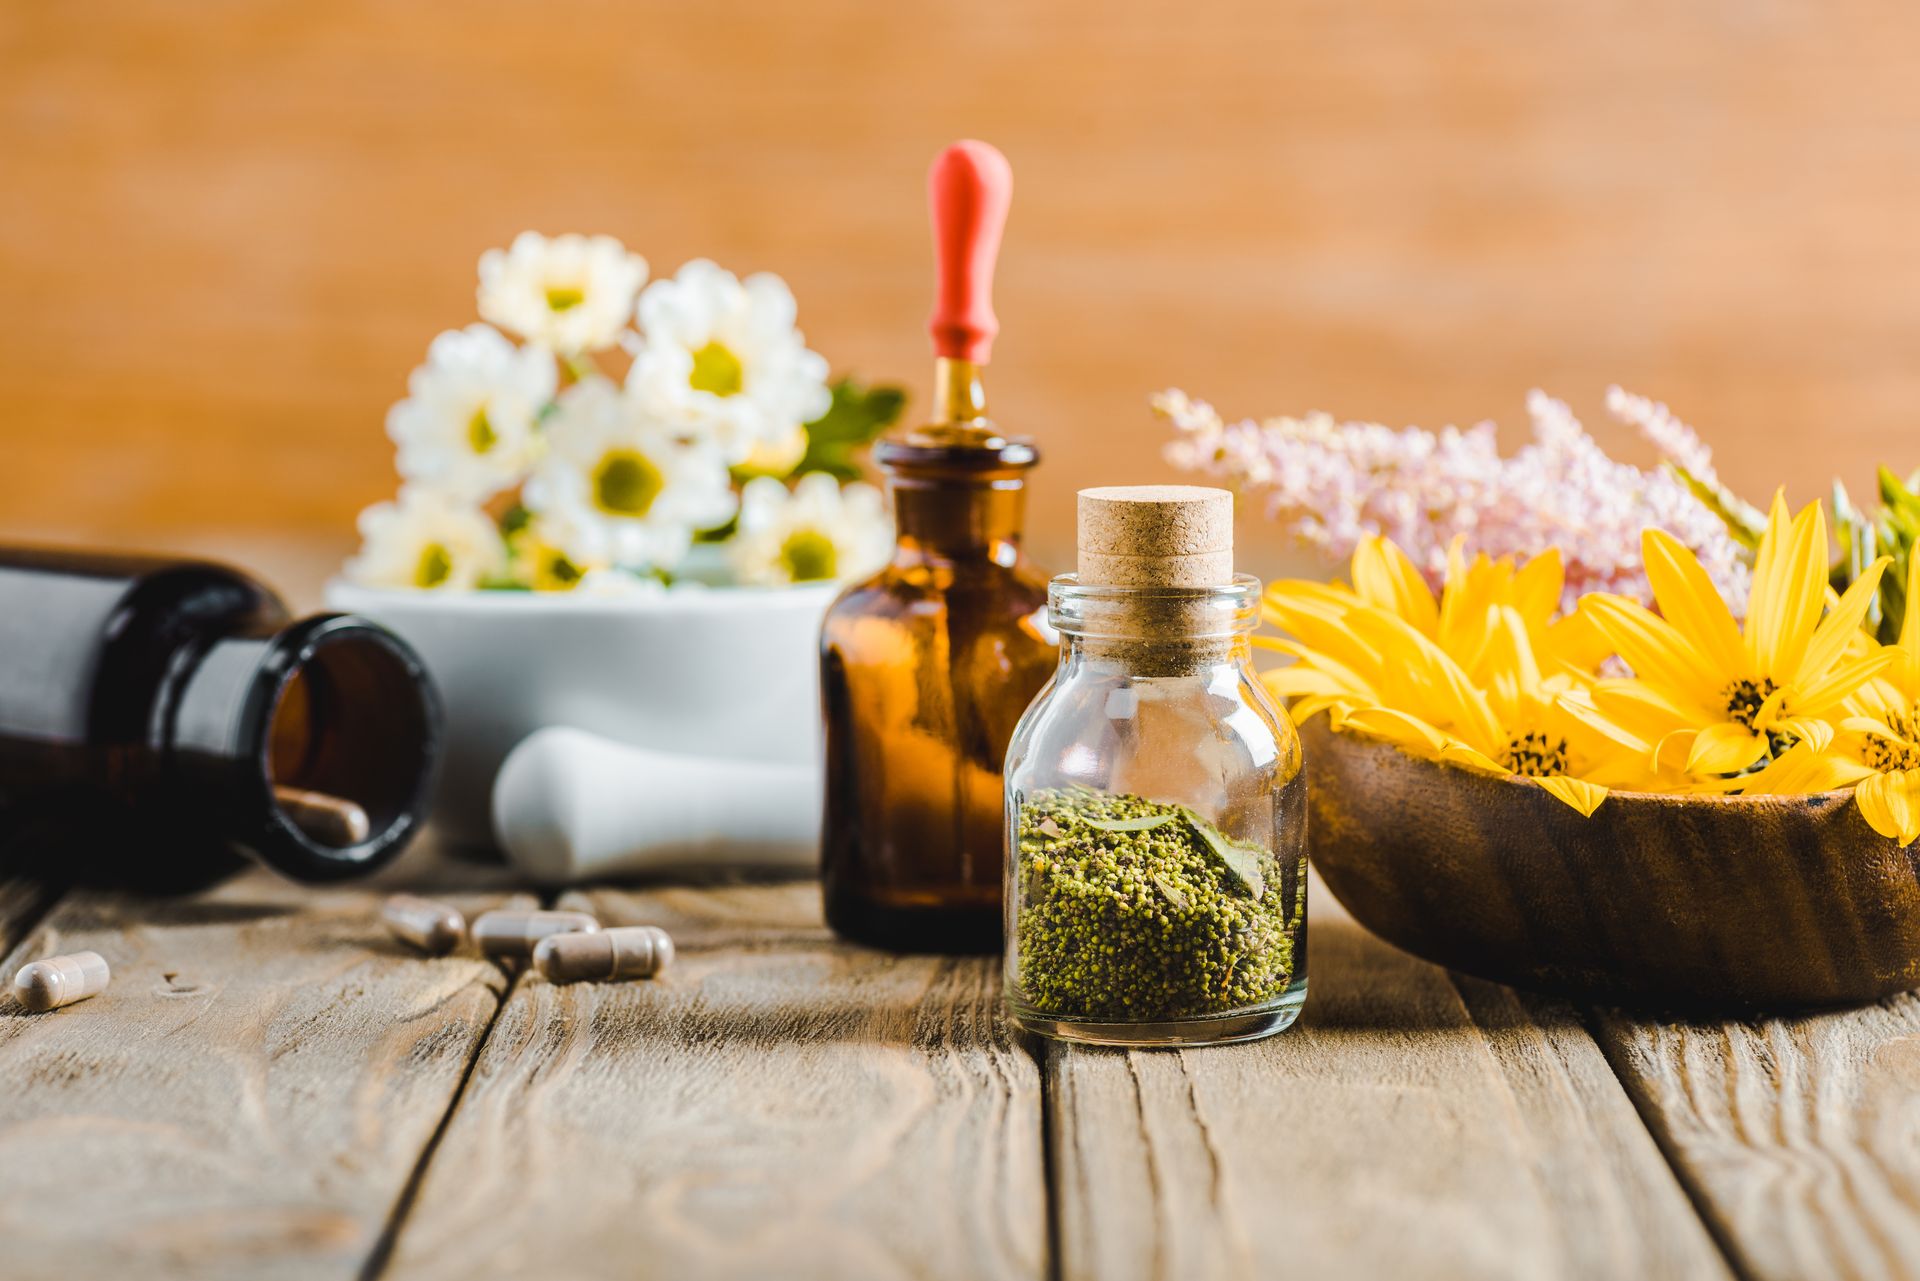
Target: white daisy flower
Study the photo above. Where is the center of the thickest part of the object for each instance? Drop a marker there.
(818, 531)
(723, 356)
(468, 426)
(426, 539)
(571, 293)
(541, 561)
(619, 487)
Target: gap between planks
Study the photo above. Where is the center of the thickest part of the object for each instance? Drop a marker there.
(1798, 1138)
(1412, 1123)
(250, 1094)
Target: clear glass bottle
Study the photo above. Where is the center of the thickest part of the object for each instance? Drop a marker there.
(1156, 827)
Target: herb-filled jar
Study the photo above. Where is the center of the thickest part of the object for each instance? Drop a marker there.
(1156, 812)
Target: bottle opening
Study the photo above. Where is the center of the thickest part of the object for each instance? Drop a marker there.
(346, 741)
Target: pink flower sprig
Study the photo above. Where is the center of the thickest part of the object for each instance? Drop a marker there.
(1332, 483)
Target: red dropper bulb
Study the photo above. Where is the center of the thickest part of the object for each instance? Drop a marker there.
(968, 189)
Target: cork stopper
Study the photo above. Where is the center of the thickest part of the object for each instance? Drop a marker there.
(1156, 536)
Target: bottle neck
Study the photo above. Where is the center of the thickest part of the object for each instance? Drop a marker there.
(1206, 659)
(1156, 631)
(949, 518)
(959, 395)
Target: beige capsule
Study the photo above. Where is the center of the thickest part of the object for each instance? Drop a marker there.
(511, 933)
(630, 952)
(61, 980)
(434, 928)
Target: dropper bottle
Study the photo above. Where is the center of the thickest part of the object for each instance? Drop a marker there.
(927, 666)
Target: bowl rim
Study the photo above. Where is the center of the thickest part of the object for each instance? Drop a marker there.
(344, 593)
(1764, 800)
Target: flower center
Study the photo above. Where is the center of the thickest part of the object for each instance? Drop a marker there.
(554, 572)
(1536, 755)
(434, 567)
(565, 297)
(808, 555)
(1890, 757)
(626, 482)
(716, 369)
(1745, 698)
(480, 432)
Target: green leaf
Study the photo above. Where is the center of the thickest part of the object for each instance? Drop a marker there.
(856, 416)
(1741, 518)
(1242, 861)
(1170, 892)
(1895, 494)
(1146, 824)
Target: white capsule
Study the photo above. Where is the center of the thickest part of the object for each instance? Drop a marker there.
(509, 933)
(61, 980)
(630, 952)
(434, 928)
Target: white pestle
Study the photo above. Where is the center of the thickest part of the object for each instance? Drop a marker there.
(572, 806)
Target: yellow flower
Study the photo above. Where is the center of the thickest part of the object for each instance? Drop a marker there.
(1458, 680)
(1879, 744)
(1713, 699)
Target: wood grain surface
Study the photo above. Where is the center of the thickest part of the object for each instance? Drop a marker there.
(249, 1097)
(776, 1104)
(1799, 1137)
(271, 1088)
(1407, 1126)
(230, 232)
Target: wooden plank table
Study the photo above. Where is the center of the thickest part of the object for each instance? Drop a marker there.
(272, 1088)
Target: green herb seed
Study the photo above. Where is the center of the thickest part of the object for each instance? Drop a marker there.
(1137, 910)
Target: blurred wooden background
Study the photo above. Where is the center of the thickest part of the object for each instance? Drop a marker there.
(229, 228)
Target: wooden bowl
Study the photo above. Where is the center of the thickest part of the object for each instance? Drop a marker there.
(1679, 902)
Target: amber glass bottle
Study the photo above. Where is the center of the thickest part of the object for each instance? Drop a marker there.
(162, 719)
(927, 666)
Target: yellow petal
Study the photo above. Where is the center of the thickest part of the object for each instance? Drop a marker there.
(1574, 643)
(1583, 796)
(1408, 733)
(1842, 623)
(1799, 771)
(1537, 587)
(1891, 804)
(1770, 707)
(1383, 576)
(1725, 748)
(1455, 752)
(1349, 679)
(1813, 731)
(1786, 604)
(1645, 710)
(1580, 706)
(1328, 599)
(1867, 725)
(1654, 648)
(1909, 674)
(1674, 750)
(1301, 678)
(1690, 602)
(1848, 678)
(1423, 679)
(1336, 706)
